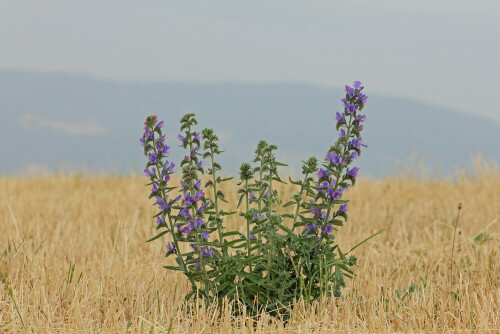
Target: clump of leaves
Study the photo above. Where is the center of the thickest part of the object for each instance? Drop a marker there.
(281, 257)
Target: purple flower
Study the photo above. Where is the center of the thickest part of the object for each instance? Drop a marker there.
(161, 203)
(160, 220)
(327, 230)
(148, 134)
(198, 184)
(207, 251)
(255, 216)
(201, 208)
(252, 196)
(335, 195)
(143, 142)
(152, 157)
(340, 118)
(310, 227)
(343, 208)
(353, 155)
(351, 108)
(192, 154)
(199, 222)
(267, 193)
(199, 164)
(350, 91)
(322, 174)
(361, 118)
(353, 172)
(252, 236)
(165, 177)
(316, 212)
(262, 217)
(362, 98)
(356, 142)
(165, 149)
(333, 158)
(357, 85)
(154, 188)
(170, 247)
(184, 213)
(161, 139)
(205, 235)
(342, 133)
(197, 136)
(186, 230)
(197, 264)
(181, 137)
(169, 168)
(160, 125)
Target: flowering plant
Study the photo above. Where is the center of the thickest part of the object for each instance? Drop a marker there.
(282, 256)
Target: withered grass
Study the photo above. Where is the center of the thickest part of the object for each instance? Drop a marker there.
(74, 257)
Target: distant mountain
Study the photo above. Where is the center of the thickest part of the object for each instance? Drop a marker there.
(78, 122)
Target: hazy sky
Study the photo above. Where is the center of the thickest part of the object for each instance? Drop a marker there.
(444, 52)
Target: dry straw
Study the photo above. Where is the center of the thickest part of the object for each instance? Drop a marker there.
(73, 259)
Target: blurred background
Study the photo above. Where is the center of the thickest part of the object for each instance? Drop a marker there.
(77, 80)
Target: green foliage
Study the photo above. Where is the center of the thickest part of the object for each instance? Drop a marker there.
(271, 265)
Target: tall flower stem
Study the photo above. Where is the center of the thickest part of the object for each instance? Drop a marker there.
(216, 202)
(298, 203)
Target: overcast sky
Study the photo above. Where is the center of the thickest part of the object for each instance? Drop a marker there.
(443, 52)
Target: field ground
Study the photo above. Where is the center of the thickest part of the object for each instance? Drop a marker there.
(73, 258)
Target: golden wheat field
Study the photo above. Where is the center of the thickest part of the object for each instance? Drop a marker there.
(73, 258)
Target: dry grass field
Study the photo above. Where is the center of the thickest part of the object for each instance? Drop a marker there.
(73, 258)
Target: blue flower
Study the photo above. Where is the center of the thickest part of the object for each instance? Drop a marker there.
(340, 118)
(143, 142)
(199, 164)
(327, 230)
(351, 108)
(149, 173)
(161, 203)
(343, 208)
(252, 236)
(184, 213)
(205, 235)
(186, 230)
(353, 172)
(154, 188)
(350, 91)
(160, 220)
(169, 168)
(152, 157)
(198, 184)
(197, 136)
(342, 133)
(356, 142)
(333, 158)
(160, 125)
(310, 227)
(197, 264)
(252, 196)
(207, 251)
(322, 174)
(170, 247)
(353, 155)
(358, 85)
(181, 137)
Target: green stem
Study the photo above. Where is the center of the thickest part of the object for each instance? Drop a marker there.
(172, 232)
(270, 204)
(217, 214)
(298, 203)
(248, 223)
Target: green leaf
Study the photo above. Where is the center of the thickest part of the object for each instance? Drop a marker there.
(157, 236)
